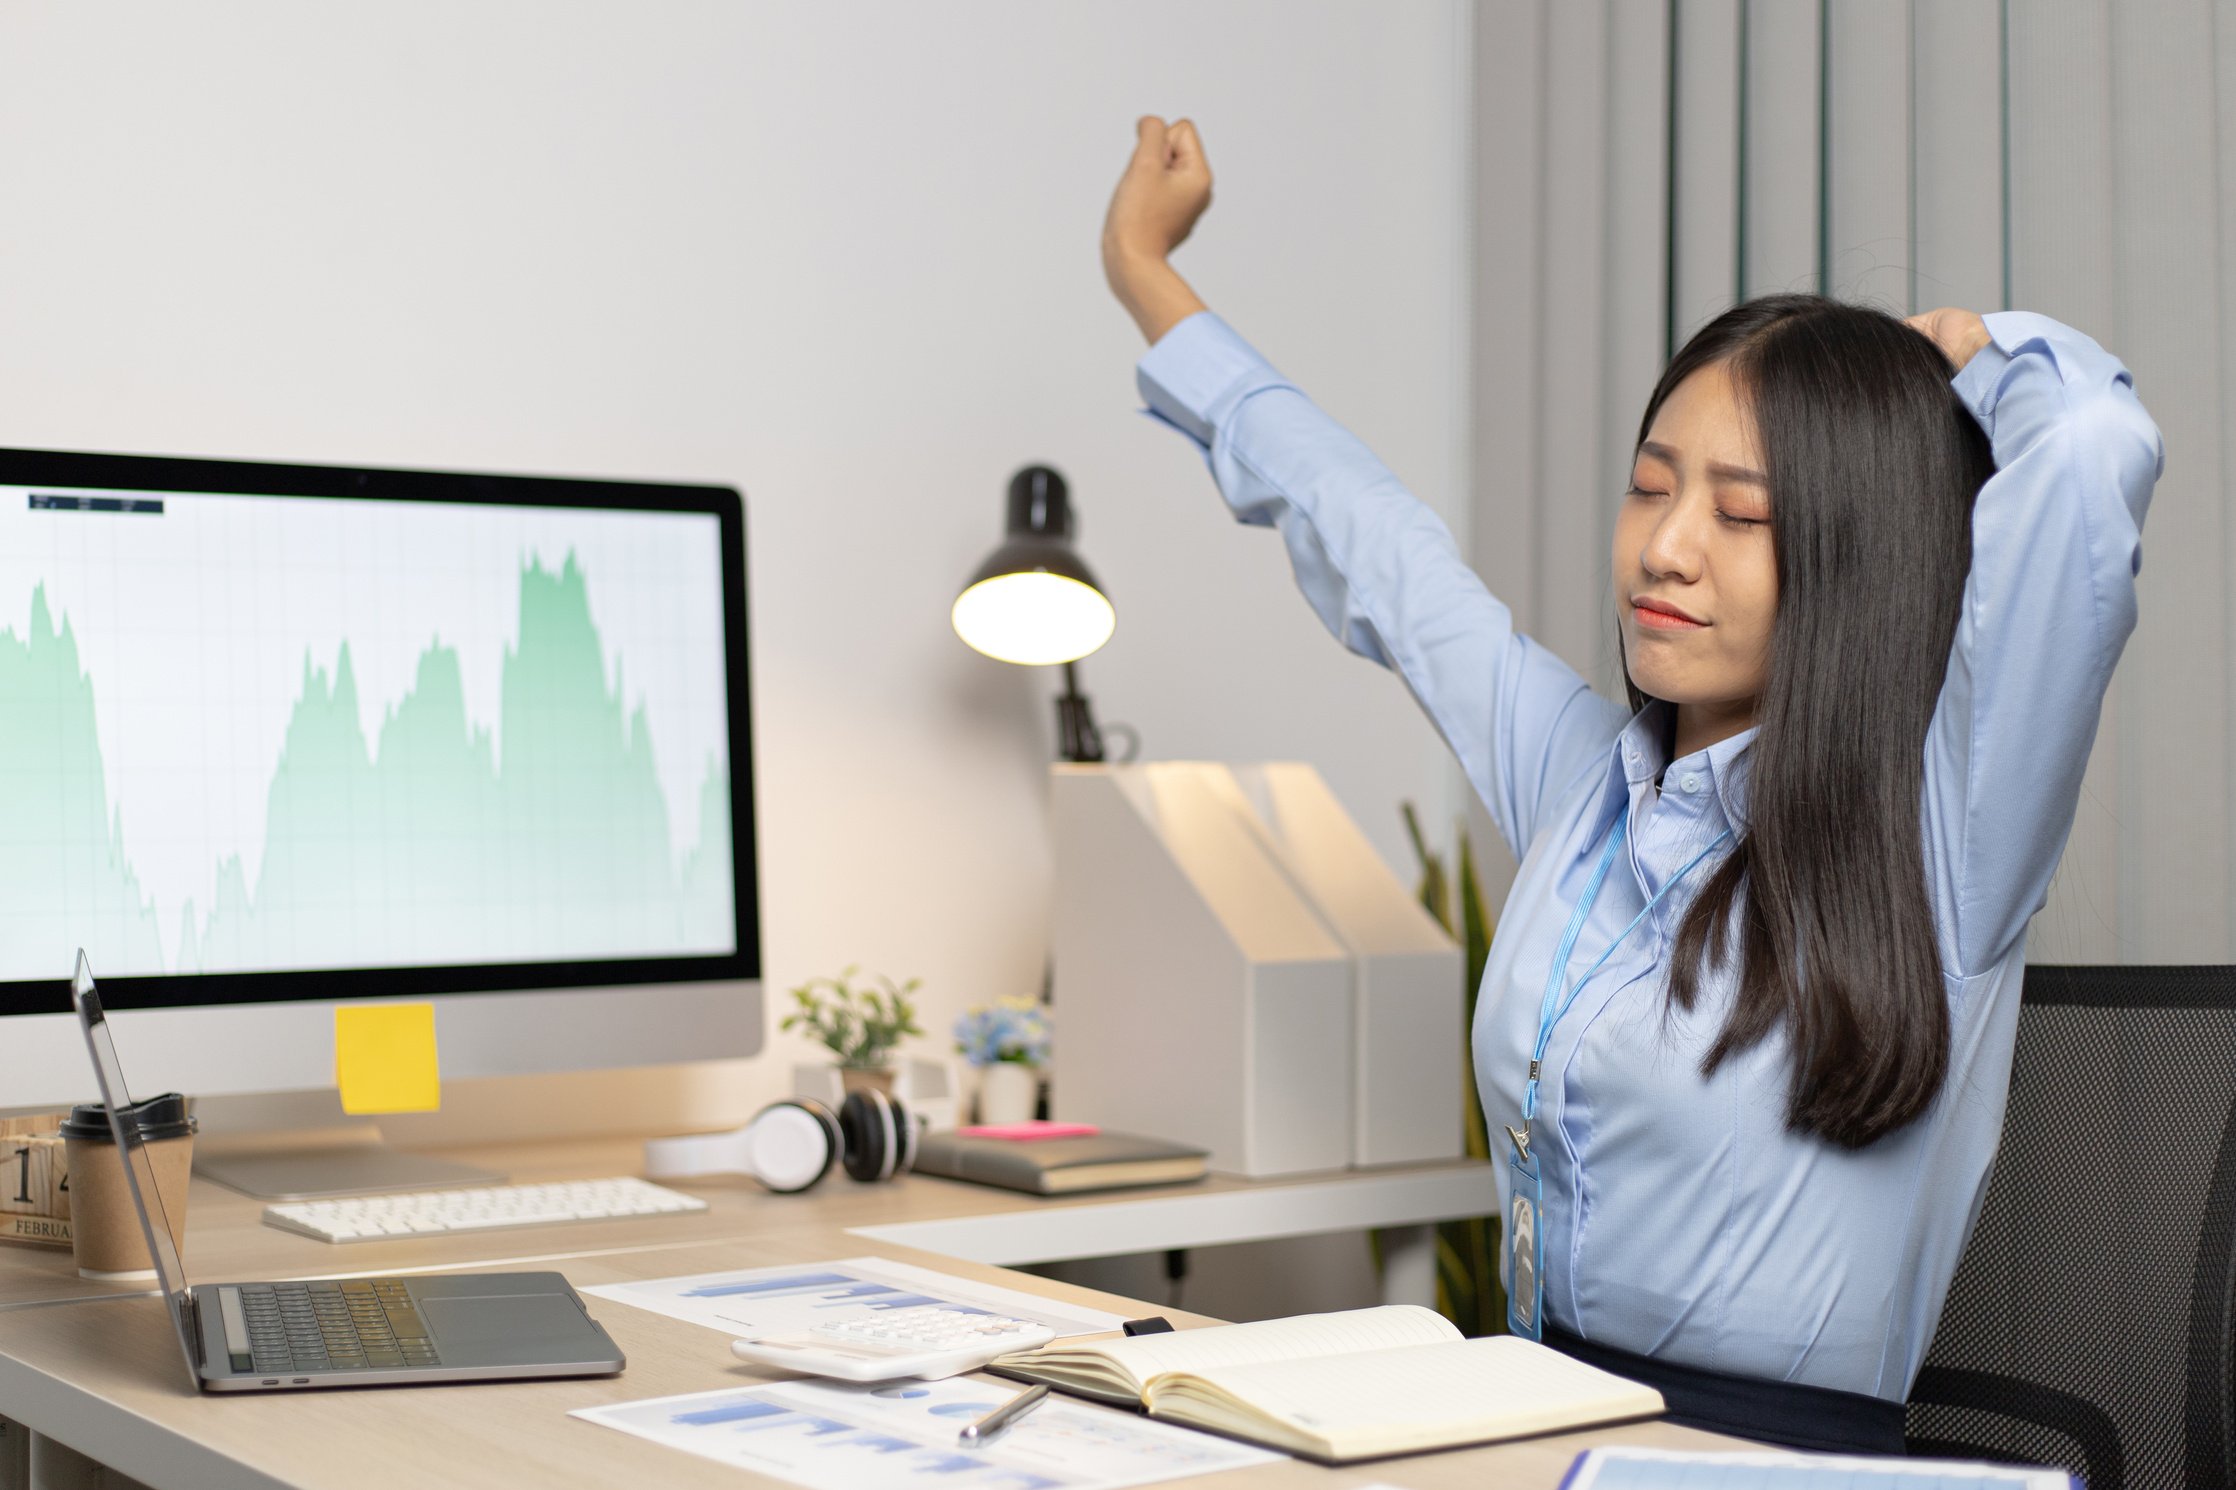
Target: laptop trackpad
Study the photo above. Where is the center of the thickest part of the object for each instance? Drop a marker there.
(506, 1324)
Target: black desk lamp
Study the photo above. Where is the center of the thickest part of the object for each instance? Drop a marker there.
(1033, 602)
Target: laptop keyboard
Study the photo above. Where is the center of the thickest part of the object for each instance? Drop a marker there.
(357, 1325)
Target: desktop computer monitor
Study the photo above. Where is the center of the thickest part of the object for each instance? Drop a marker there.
(276, 737)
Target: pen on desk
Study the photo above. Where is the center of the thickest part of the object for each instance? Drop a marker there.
(1002, 1416)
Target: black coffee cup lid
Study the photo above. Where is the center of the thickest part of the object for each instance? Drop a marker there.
(156, 1118)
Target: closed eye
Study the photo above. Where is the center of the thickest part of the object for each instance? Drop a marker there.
(1729, 519)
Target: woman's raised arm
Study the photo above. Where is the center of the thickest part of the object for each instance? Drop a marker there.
(1375, 562)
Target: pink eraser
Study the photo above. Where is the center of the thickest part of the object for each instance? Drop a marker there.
(1022, 1132)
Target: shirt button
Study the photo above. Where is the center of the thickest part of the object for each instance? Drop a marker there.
(1630, 753)
(1691, 783)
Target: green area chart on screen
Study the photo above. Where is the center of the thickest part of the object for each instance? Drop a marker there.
(436, 845)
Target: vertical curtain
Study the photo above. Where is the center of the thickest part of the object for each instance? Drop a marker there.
(1640, 165)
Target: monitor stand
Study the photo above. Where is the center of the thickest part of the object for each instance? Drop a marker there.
(302, 1146)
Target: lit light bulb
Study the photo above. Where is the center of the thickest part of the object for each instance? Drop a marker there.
(1034, 618)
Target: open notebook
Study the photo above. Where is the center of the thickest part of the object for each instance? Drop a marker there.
(1338, 1387)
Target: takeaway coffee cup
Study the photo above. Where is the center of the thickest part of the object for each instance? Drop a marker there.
(104, 1233)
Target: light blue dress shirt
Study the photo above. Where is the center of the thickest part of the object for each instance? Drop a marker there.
(1681, 1218)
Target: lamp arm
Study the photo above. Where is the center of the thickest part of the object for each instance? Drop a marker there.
(1077, 738)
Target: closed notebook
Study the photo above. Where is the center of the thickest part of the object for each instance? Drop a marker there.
(1359, 1384)
(1060, 1166)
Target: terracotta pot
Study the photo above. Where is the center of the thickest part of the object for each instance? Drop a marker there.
(860, 1078)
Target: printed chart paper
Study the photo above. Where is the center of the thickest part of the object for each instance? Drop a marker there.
(902, 1436)
(754, 1303)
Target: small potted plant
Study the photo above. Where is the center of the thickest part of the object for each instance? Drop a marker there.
(859, 1026)
(1006, 1042)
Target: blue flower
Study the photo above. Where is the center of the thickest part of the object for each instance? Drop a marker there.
(1009, 1029)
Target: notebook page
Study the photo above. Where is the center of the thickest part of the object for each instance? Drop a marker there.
(1499, 1384)
(1382, 1328)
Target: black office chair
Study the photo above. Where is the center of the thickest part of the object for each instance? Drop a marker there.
(2092, 1323)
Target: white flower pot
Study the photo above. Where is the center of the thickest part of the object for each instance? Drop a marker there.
(1007, 1092)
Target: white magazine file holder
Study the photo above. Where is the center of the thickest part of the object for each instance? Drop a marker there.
(1235, 966)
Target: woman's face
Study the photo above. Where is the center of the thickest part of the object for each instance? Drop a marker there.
(1695, 575)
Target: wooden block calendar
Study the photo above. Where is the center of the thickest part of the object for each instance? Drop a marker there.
(34, 1182)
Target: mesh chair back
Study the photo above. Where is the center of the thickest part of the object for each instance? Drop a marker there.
(2092, 1322)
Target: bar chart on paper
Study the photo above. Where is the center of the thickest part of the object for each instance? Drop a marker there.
(242, 734)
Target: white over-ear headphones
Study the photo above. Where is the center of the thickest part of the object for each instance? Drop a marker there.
(790, 1145)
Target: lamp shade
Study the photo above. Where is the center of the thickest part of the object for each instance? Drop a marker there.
(1033, 601)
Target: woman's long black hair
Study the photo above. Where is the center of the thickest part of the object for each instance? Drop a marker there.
(1873, 464)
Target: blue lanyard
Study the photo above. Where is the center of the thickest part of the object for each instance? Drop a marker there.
(1552, 1006)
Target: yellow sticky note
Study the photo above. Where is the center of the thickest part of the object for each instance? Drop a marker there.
(384, 1058)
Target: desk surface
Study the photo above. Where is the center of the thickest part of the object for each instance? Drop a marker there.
(226, 1237)
(96, 1365)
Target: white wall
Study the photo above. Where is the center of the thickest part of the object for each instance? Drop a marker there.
(841, 256)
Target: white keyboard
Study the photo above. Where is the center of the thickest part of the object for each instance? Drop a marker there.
(362, 1218)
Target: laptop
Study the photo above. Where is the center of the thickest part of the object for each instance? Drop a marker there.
(345, 1332)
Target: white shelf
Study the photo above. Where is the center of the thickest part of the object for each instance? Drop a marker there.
(1354, 1201)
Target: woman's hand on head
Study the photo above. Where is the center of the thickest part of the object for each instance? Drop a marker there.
(1958, 333)
(1166, 187)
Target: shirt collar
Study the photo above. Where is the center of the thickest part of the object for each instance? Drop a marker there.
(1641, 752)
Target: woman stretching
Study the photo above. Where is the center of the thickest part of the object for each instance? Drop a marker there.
(1745, 1033)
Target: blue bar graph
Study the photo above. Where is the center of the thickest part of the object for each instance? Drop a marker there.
(730, 1412)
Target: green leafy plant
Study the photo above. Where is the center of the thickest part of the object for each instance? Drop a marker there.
(1467, 1288)
(860, 1026)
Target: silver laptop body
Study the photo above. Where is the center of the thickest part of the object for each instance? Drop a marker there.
(296, 1334)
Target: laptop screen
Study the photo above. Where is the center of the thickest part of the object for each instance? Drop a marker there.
(139, 1172)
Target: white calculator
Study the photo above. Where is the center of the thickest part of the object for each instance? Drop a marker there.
(928, 1341)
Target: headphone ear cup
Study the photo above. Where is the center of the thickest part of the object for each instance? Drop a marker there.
(791, 1144)
(829, 1119)
(873, 1134)
(907, 1124)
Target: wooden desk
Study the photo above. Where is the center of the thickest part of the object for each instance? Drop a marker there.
(96, 1367)
(226, 1231)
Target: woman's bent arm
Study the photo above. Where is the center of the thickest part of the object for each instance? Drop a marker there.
(2048, 605)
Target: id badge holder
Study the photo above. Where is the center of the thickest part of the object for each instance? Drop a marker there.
(1525, 1246)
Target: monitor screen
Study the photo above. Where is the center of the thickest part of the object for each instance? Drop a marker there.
(274, 732)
